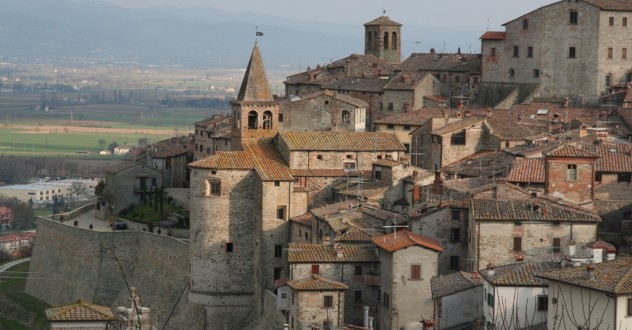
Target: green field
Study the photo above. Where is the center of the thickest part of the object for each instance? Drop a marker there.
(19, 310)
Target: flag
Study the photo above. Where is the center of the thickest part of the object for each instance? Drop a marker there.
(259, 34)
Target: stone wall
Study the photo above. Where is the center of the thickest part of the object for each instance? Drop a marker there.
(78, 263)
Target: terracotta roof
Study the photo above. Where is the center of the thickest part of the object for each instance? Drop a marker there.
(470, 185)
(358, 103)
(457, 126)
(483, 163)
(304, 219)
(402, 239)
(341, 141)
(406, 80)
(447, 285)
(316, 283)
(613, 276)
(614, 158)
(413, 118)
(354, 235)
(613, 5)
(79, 311)
(212, 121)
(433, 62)
(508, 129)
(569, 151)
(326, 253)
(436, 98)
(609, 248)
(527, 170)
(494, 35)
(525, 210)
(519, 274)
(254, 86)
(627, 100)
(331, 209)
(545, 116)
(13, 238)
(387, 163)
(331, 173)
(382, 20)
(261, 157)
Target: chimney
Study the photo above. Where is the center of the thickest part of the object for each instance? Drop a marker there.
(490, 270)
(428, 324)
(566, 102)
(571, 248)
(519, 258)
(474, 274)
(435, 56)
(590, 272)
(365, 320)
(339, 251)
(326, 240)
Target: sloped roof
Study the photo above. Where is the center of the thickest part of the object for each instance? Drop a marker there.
(520, 274)
(255, 86)
(375, 85)
(613, 5)
(524, 210)
(124, 166)
(406, 80)
(354, 235)
(447, 285)
(494, 35)
(457, 126)
(613, 158)
(432, 62)
(358, 103)
(613, 276)
(413, 118)
(382, 20)
(569, 151)
(326, 253)
(508, 129)
(316, 283)
(341, 141)
(402, 239)
(79, 311)
(527, 170)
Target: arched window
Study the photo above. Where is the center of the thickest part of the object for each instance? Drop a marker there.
(369, 41)
(345, 117)
(253, 120)
(385, 40)
(525, 24)
(267, 120)
(394, 41)
(375, 41)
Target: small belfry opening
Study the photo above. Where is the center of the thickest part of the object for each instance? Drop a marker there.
(253, 120)
(267, 120)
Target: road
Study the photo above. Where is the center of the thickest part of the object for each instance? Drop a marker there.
(6, 266)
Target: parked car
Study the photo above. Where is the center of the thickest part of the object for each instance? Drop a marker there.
(119, 225)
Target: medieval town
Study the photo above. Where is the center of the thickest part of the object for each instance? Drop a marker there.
(487, 190)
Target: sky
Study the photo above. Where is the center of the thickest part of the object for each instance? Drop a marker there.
(479, 14)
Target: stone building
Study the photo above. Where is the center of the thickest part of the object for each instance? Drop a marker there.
(171, 158)
(572, 49)
(316, 303)
(324, 110)
(533, 230)
(383, 39)
(128, 183)
(408, 261)
(6, 217)
(210, 136)
(356, 266)
(457, 299)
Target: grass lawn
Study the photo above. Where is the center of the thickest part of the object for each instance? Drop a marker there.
(13, 290)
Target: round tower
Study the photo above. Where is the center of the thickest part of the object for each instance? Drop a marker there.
(382, 39)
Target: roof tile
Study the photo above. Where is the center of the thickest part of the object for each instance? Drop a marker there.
(402, 239)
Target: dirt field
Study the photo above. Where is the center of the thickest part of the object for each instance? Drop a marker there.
(53, 128)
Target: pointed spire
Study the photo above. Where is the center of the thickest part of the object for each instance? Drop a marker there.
(255, 86)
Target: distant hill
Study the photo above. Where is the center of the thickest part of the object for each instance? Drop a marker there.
(97, 32)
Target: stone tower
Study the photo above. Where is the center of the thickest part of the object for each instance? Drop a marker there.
(255, 113)
(382, 38)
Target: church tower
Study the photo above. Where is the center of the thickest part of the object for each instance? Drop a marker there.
(255, 113)
(382, 39)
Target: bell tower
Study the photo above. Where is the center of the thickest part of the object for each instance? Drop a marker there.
(255, 113)
(382, 39)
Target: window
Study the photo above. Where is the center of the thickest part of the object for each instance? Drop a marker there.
(357, 295)
(328, 301)
(624, 177)
(315, 269)
(415, 272)
(490, 300)
(201, 148)
(516, 51)
(610, 52)
(598, 177)
(608, 79)
(492, 51)
(253, 120)
(543, 303)
(277, 273)
(385, 40)
(455, 235)
(456, 215)
(229, 247)
(573, 18)
(525, 24)
(277, 183)
(536, 73)
(407, 147)
(556, 244)
(214, 187)
(624, 53)
(454, 263)
(390, 106)
(624, 22)
(390, 126)
(394, 40)
(629, 306)
(278, 251)
(385, 300)
(267, 120)
(571, 172)
(627, 215)
(208, 151)
(571, 52)
(611, 21)
(280, 118)
(529, 51)
(512, 73)
(345, 117)
(407, 127)
(349, 165)
(517, 244)
(458, 138)
(281, 212)
(319, 157)
(357, 270)
(378, 175)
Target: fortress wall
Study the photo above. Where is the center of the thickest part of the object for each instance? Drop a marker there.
(71, 263)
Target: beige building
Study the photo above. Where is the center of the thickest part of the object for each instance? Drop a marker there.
(572, 49)
(316, 303)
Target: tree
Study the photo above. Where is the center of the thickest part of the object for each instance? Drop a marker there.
(112, 146)
(77, 188)
(102, 143)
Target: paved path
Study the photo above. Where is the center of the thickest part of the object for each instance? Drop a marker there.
(8, 265)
